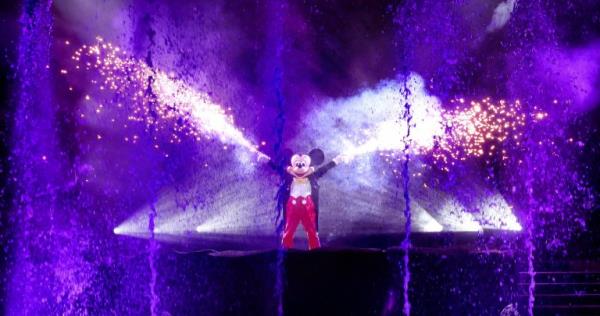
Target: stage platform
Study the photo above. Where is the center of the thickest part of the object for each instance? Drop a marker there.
(482, 273)
(343, 282)
(484, 241)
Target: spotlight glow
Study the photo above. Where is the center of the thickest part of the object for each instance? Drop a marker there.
(455, 217)
(204, 229)
(495, 213)
(423, 221)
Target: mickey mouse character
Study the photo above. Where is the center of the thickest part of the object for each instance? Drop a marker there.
(299, 195)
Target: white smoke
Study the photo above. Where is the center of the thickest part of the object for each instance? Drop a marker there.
(373, 120)
(501, 15)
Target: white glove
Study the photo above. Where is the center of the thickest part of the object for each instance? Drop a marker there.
(342, 158)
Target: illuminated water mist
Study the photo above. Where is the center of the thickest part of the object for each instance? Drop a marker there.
(488, 136)
(155, 98)
(468, 129)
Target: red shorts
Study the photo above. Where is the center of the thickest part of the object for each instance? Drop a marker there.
(300, 210)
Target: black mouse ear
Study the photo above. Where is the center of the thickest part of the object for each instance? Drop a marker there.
(316, 157)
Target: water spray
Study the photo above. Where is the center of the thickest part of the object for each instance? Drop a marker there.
(469, 129)
(176, 108)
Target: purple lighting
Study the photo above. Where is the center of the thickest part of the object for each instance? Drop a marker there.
(146, 147)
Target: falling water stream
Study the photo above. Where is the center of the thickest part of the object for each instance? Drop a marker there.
(152, 247)
(407, 212)
(280, 269)
(277, 45)
(35, 165)
(146, 24)
(530, 248)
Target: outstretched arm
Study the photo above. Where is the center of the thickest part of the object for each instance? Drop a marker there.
(270, 163)
(334, 162)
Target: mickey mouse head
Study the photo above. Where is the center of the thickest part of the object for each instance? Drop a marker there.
(302, 165)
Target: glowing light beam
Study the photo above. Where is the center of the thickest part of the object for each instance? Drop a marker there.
(161, 101)
(477, 128)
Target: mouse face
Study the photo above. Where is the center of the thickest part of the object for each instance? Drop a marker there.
(300, 165)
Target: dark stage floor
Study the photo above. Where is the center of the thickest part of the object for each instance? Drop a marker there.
(449, 276)
(344, 282)
(485, 241)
